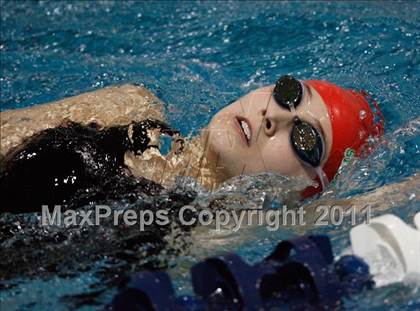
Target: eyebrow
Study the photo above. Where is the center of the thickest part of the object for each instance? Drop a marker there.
(320, 128)
(308, 89)
(318, 125)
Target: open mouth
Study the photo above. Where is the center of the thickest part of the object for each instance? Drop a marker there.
(245, 127)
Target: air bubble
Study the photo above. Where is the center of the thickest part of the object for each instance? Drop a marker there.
(362, 114)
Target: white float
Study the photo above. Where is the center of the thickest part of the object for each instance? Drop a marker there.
(390, 247)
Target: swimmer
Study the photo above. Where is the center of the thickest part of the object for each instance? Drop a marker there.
(293, 128)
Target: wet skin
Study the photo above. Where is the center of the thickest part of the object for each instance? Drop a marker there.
(268, 148)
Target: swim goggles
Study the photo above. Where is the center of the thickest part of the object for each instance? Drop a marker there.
(305, 139)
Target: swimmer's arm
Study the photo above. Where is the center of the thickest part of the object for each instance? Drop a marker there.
(382, 198)
(389, 196)
(111, 106)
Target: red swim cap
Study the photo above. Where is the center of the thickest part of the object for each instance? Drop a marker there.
(352, 122)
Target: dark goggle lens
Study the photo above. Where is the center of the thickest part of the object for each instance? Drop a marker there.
(288, 92)
(307, 143)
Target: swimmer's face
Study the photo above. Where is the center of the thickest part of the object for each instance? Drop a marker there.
(267, 147)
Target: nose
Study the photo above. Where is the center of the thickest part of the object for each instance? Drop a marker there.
(274, 118)
(269, 126)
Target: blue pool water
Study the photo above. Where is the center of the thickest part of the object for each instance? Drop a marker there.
(196, 57)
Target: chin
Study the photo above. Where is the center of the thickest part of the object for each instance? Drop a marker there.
(220, 133)
(224, 142)
(221, 151)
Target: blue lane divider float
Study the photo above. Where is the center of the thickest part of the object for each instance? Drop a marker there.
(299, 273)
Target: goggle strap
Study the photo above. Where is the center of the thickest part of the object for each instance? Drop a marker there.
(322, 177)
